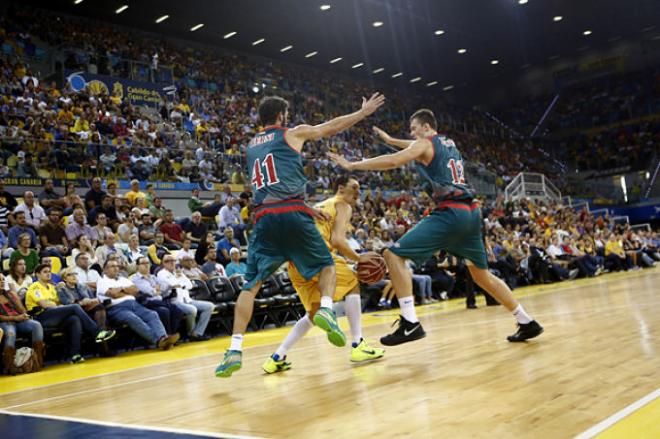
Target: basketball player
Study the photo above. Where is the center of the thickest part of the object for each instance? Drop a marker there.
(339, 209)
(455, 225)
(284, 226)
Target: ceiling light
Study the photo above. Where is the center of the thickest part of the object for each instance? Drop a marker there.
(396, 75)
(522, 2)
(557, 18)
(415, 79)
(494, 62)
(378, 23)
(77, 2)
(432, 83)
(325, 7)
(586, 32)
(378, 70)
(311, 54)
(121, 9)
(448, 87)
(462, 51)
(259, 41)
(439, 32)
(229, 35)
(336, 60)
(161, 19)
(355, 66)
(196, 27)
(284, 49)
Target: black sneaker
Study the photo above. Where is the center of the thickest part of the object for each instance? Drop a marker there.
(471, 306)
(406, 332)
(526, 331)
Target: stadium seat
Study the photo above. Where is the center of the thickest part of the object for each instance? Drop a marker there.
(56, 264)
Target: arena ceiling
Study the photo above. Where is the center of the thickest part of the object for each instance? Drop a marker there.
(431, 45)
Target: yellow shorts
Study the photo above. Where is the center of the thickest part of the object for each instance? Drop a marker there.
(308, 290)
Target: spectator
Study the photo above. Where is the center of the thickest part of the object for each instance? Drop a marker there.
(230, 216)
(49, 198)
(211, 268)
(157, 250)
(147, 230)
(85, 246)
(186, 250)
(19, 280)
(71, 291)
(127, 228)
(108, 209)
(6, 199)
(54, 278)
(109, 248)
(85, 275)
(44, 304)
(53, 235)
(14, 320)
(157, 209)
(615, 255)
(94, 196)
(178, 282)
(132, 195)
(195, 229)
(123, 309)
(225, 245)
(21, 228)
(172, 232)
(25, 253)
(236, 267)
(133, 252)
(101, 228)
(34, 215)
(78, 228)
(151, 296)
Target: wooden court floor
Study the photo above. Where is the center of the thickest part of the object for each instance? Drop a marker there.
(599, 354)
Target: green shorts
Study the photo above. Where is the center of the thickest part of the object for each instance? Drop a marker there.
(455, 229)
(285, 232)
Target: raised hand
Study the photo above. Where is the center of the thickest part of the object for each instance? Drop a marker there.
(340, 160)
(382, 134)
(369, 106)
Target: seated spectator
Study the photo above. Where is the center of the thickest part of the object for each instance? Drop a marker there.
(14, 320)
(235, 267)
(20, 228)
(615, 256)
(172, 232)
(157, 209)
(108, 209)
(140, 209)
(19, 279)
(123, 309)
(147, 230)
(230, 216)
(186, 250)
(53, 235)
(211, 268)
(94, 196)
(35, 215)
(86, 275)
(49, 198)
(151, 296)
(25, 253)
(135, 193)
(225, 245)
(177, 281)
(85, 246)
(54, 278)
(127, 228)
(208, 209)
(109, 248)
(195, 229)
(71, 291)
(44, 305)
(78, 227)
(101, 228)
(6, 199)
(133, 252)
(157, 250)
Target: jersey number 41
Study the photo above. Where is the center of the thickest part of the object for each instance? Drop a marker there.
(271, 174)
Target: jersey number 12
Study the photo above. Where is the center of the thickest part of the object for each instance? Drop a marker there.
(456, 167)
(271, 174)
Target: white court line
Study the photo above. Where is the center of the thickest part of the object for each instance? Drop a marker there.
(607, 423)
(131, 427)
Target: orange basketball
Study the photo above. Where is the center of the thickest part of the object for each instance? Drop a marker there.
(371, 271)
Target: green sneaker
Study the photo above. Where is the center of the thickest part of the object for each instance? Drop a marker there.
(271, 365)
(326, 320)
(230, 364)
(77, 359)
(105, 335)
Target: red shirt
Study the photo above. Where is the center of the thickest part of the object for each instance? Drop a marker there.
(172, 230)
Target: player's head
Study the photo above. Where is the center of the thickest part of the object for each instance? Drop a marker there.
(347, 187)
(273, 110)
(422, 122)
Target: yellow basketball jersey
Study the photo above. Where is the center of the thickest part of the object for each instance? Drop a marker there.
(329, 206)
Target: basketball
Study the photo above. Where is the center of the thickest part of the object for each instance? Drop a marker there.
(371, 271)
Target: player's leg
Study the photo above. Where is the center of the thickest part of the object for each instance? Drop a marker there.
(360, 349)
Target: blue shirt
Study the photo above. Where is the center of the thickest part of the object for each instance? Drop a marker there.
(235, 268)
(16, 231)
(225, 244)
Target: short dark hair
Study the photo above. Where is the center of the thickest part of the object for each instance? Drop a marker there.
(425, 115)
(270, 107)
(40, 268)
(341, 180)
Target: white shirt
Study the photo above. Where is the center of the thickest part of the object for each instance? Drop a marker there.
(183, 253)
(34, 216)
(105, 283)
(182, 284)
(84, 277)
(554, 250)
(228, 216)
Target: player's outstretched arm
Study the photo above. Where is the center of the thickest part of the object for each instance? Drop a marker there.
(298, 135)
(387, 161)
(399, 143)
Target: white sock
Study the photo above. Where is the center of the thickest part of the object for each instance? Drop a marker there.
(353, 307)
(298, 331)
(407, 305)
(236, 342)
(521, 315)
(326, 302)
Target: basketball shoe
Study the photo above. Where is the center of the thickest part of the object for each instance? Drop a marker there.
(526, 331)
(230, 363)
(325, 319)
(407, 331)
(272, 365)
(363, 352)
